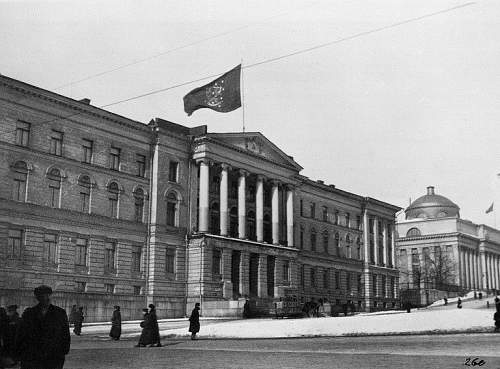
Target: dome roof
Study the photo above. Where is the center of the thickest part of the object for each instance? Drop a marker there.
(432, 206)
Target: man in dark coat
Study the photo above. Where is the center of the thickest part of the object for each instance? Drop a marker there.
(155, 329)
(9, 332)
(116, 324)
(459, 303)
(496, 318)
(79, 317)
(43, 338)
(194, 321)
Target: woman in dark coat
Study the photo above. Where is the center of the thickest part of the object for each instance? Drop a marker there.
(116, 324)
(194, 321)
(155, 338)
(146, 334)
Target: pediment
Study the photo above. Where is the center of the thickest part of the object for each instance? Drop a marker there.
(256, 144)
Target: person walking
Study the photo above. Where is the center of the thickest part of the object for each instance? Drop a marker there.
(43, 339)
(194, 321)
(459, 303)
(155, 329)
(116, 324)
(9, 333)
(72, 315)
(146, 334)
(79, 318)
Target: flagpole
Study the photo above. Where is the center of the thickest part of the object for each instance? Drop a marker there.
(243, 95)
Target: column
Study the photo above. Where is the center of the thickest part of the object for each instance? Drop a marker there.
(262, 276)
(259, 208)
(244, 270)
(242, 209)
(490, 279)
(203, 197)
(393, 247)
(456, 261)
(366, 264)
(473, 270)
(483, 270)
(384, 242)
(275, 213)
(227, 291)
(375, 241)
(223, 200)
(289, 216)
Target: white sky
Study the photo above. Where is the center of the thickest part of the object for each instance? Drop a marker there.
(383, 115)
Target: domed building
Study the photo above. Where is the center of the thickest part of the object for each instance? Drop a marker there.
(441, 255)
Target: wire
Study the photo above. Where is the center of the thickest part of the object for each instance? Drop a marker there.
(270, 60)
(123, 66)
(298, 52)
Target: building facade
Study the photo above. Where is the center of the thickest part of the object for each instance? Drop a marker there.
(108, 210)
(441, 254)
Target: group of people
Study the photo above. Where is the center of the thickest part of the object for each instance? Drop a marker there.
(39, 339)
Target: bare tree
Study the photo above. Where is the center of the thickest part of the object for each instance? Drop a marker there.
(438, 269)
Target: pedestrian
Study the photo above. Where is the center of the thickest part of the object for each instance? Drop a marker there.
(72, 315)
(43, 339)
(497, 300)
(116, 324)
(154, 325)
(445, 301)
(246, 309)
(79, 317)
(6, 360)
(480, 295)
(146, 334)
(344, 309)
(459, 303)
(9, 333)
(496, 318)
(475, 295)
(194, 321)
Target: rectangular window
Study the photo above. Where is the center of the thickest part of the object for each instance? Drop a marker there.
(19, 190)
(110, 288)
(337, 218)
(136, 259)
(170, 261)
(50, 248)
(384, 286)
(54, 195)
(81, 252)
(81, 286)
(370, 225)
(337, 280)
(348, 282)
(110, 257)
(313, 277)
(216, 262)
(348, 220)
(326, 279)
(391, 287)
(301, 238)
(15, 244)
(374, 283)
(358, 222)
(84, 201)
(87, 151)
(325, 214)
(141, 165)
(313, 210)
(286, 271)
(173, 170)
(137, 290)
(114, 158)
(414, 257)
(23, 133)
(56, 142)
(360, 284)
(302, 275)
(301, 207)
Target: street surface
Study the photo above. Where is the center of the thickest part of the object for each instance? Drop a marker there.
(432, 351)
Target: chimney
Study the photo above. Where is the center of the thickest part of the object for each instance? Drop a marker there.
(430, 190)
(85, 101)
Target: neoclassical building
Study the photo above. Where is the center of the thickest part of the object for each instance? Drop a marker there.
(441, 254)
(108, 210)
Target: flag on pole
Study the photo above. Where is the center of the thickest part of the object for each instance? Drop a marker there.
(222, 94)
(490, 209)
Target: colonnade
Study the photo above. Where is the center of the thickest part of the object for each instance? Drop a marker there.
(479, 270)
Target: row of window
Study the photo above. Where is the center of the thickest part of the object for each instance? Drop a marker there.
(351, 251)
(81, 286)
(16, 245)
(54, 178)
(338, 219)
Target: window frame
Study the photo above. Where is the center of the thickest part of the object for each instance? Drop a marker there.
(23, 133)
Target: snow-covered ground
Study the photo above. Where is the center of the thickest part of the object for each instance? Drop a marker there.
(418, 321)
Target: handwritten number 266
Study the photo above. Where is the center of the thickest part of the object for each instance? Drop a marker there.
(474, 362)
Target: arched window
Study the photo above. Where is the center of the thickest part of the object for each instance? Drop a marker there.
(113, 196)
(233, 222)
(313, 239)
(413, 232)
(358, 246)
(337, 244)
(268, 231)
(251, 225)
(85, 185)
(139, 204)
(442, 214)
(19, 186)
(172, 209)
(54, 177)
(214, 218)
(325, 241)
